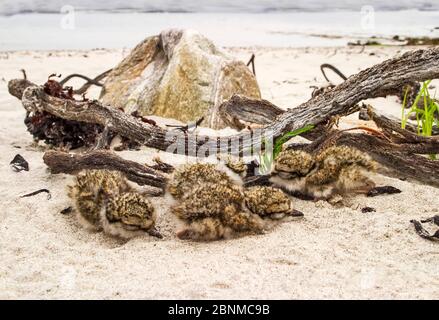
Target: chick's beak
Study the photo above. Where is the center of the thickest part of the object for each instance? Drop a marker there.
(155, 233)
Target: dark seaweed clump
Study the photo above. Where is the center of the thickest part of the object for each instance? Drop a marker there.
(59, 132)
(19, 163)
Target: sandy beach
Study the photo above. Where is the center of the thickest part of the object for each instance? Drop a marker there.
(333, 252)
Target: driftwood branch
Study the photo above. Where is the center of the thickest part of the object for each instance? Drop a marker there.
(240, 109)
(378, 81)
(62, 162)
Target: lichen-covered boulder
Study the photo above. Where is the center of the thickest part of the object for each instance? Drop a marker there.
(178, 74)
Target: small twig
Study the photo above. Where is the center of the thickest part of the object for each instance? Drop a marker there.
(370, 130)
(24, 74)
(49, 196)
(330, 66)
(186, 127)
(252, 62)
(434, 220)
(89, 82)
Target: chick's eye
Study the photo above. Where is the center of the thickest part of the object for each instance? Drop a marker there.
(287, 175)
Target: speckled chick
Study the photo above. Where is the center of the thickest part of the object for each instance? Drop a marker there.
(291, 168)
(268, 202)
(213, 211)
(335, 170)
(187, 176)
(130, 214)
(90, 191)
(105, 202)
(340, 170)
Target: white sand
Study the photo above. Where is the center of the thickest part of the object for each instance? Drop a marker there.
(331, 253)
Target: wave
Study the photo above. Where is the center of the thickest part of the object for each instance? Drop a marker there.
(12, 7)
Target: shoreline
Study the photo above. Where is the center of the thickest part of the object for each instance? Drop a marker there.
(292, 29)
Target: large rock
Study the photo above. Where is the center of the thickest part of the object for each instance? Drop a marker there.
(179, 74)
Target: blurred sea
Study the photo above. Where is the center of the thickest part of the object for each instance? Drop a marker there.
(84, 24)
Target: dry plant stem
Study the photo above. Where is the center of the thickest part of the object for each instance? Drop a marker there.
(62, 162)
(378, 81)
(89, 82)
(252, 62)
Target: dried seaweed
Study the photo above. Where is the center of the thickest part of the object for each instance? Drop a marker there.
(55, 89)
(19, 163)
(49, 196)
(423, 233)
(59, 132)
(143, 119)
(434, 220)
(382, 190)
(368, 209)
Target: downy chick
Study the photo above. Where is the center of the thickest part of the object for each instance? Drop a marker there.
(187, 176)
(335, 170)
(268, 202)
(214, 211)
(291, 168)
(340, 170)
(211, 204)
(105, 202)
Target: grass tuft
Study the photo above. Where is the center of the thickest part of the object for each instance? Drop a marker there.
(426, 116)
(271, 152)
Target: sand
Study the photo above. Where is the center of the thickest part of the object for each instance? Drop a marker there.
(332, 253)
